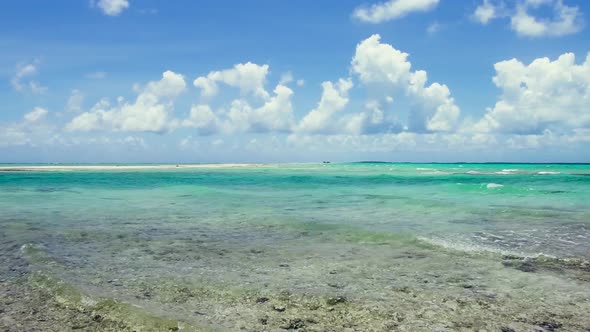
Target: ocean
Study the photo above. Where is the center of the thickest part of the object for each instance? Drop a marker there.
(312, 247)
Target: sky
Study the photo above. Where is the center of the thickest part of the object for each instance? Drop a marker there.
(153, 81)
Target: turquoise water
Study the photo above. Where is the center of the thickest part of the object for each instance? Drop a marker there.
(270, 229)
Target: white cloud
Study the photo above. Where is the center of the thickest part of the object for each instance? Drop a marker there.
(22, 80)
(75, 101)
(485, 12)
(334, 99)
(392, 9)
(380, 65)
(373, 120)
(248, 77)
(30, 131)
(565, 20)
(435, 109)
(276, 114)
(286, 78)
(111, 7)
(544, 95)
(36, 115)
(203, 119)
(433, 28)
(150, 112)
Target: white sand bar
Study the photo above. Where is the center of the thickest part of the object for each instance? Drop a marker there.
(32, 168)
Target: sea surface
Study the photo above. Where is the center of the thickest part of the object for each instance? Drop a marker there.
(309, 247)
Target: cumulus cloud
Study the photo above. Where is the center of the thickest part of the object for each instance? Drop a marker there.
(111, 7)
(276, 114)
(244, 114)
(23, 81)
(150, 111)
(202, 118)
(543, 95)
(372, 120)
(392, 10)
(485, 12)
(380, 64)
(564, 20)
(31, 130)
(567, 20)
(334, 99)
(248, 77)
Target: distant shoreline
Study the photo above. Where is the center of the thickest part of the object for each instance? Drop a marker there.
(24, 168)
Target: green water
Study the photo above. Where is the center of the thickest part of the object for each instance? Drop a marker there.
(390, 238)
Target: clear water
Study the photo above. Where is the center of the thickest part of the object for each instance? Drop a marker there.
(201, 245)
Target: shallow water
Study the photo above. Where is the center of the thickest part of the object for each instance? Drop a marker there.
(316, 247)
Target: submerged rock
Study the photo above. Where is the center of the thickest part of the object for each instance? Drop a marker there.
(262, 300)
(335, 300)
(523, 265)
(549, 326)
(279, 308)
(293, 324)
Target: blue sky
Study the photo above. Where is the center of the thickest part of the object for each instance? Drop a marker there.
(268, 81)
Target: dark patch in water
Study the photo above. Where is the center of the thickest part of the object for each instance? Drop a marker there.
(47, 190)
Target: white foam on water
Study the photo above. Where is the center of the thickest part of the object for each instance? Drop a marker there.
(494, 185)
(423, 169)
(476, 248)
(437, 173)
(508, 171)
(548, 173)
(467, 247)
(473, 172)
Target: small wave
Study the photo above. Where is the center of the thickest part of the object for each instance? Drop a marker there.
(494, 185)
(423, 169)
(435, 172)
(548, 173)
(507, 171)
(480, 249)
(473, 172)
(466, 247)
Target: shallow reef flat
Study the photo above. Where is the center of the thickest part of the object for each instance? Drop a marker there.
(308, 281)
